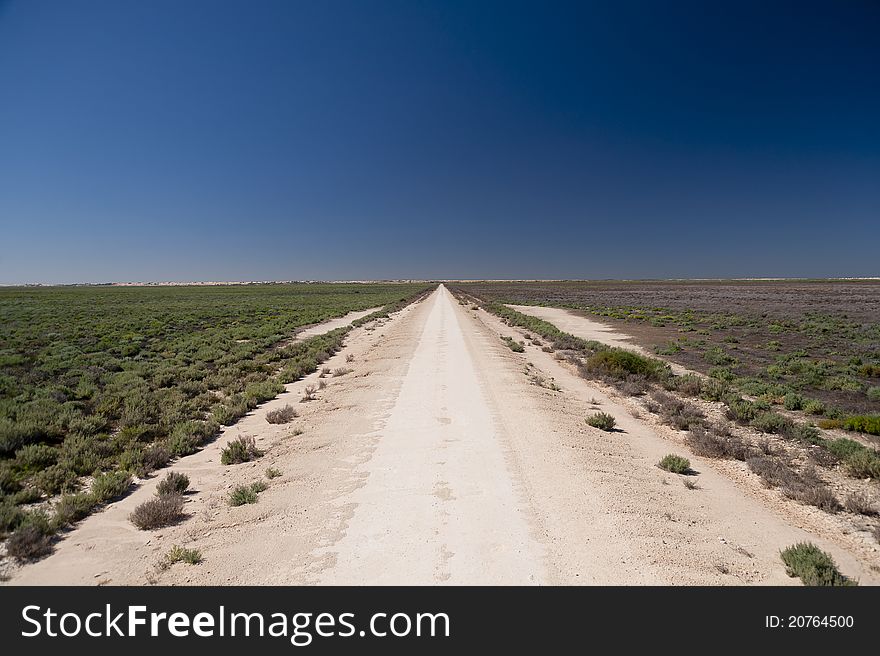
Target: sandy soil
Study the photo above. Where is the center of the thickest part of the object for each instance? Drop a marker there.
(587, 328)
(439, 460)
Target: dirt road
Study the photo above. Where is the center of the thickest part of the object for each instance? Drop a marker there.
(445, 458)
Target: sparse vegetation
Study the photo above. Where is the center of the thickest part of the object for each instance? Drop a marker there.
(308, 394)
(178, 554)
(860, 503)
(602, 421)
(341, 371)
(283, 415)
(246, 494)
(272, 472)
(124, 379)
(513, 345)
(813, 566)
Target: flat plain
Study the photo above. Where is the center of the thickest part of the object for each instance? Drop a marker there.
(469, 433)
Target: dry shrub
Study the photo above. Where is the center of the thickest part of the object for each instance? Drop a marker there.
(156, 513)
(28, 543)
(711, 444)
(282, 415)
(860, 503)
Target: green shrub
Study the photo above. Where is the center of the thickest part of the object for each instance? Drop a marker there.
(178, 554)
(865, 464)
(73, 507)
(111, 485)
(813, 566)
(56, 479)
(741, 411)
(770, 422)
(11, 517)
(513, 345)
(619, 363)
(241, 449)
(602, 421)
(675, 464)
(712, 389)
(271, 473)
(182, 444)
(793, 401)
(158, 512)
(813, 407)
(242, 495)
(863, 424)
(173, 483)
(35, 457)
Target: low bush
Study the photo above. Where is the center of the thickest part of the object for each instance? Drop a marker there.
(241, 449)
(55, 480)
(282, 415)
(793, 401)
(308, 394)
(602, 421)
(35, 457)
(634, 385)
(863, 424)
(617, 363)
(813, 407)
(805, 487)
(173, 483)
(341, 371)
(178, 554)
(111, 485)
(242, 495)
(675, 464)
(29, 543)
(813, 566)
(271, 473)
(689, 384)
(860, 503)
(712, 444)
(677, 413)
(73, 507)
(741, 411)
(513, 345)
(158, 512)
(770, 422)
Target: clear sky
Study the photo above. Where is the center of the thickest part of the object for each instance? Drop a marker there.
(186, 140)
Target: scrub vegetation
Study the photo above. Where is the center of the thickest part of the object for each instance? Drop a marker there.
(810, 346)
(100, 384)
(799, 467)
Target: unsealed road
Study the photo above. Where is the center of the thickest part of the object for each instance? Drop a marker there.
(439, 503)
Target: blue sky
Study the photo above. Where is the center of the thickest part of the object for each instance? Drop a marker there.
(180, 140)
